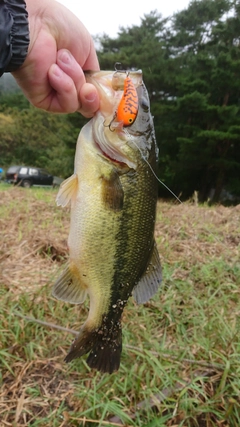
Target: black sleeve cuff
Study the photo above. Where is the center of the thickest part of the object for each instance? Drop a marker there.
(14, 35)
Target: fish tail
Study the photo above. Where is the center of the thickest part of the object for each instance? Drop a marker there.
(104, 345)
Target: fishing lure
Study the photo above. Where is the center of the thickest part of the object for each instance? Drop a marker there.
(128, 106)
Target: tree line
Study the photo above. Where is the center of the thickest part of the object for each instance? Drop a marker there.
(191, 67)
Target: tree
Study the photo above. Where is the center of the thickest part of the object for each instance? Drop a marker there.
(206, 45)
(137, 48)
(35, 137)
(191, 69)
(142, 47)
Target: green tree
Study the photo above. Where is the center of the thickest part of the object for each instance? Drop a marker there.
(206, 92)
(143, 47)
(33, 137)
(191, 69)
(137, 47)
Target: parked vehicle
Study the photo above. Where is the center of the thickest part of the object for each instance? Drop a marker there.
(27, 176)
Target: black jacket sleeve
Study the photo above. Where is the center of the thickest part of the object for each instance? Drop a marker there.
(14, 34)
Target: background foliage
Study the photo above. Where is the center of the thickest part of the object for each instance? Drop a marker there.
(191, 67)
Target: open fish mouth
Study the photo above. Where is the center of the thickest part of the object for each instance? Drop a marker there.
(112, 145)
(114, 124)
(107, 155)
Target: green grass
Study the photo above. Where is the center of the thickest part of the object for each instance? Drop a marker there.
(180, 364)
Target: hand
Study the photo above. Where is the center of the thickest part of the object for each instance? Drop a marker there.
(60, 49)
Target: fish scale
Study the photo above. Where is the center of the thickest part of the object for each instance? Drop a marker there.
(113, 196)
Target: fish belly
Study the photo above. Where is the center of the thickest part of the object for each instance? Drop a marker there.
(92, 236)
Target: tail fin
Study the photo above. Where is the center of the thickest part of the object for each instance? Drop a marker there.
(105, 346)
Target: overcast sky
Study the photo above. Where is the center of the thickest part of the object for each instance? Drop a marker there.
(106, 16)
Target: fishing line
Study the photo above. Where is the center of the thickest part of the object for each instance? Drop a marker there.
(150, 167)
(161, 182)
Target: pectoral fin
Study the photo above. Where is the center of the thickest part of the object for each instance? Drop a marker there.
(69, 287)
(112, 191)
(150, 281)
(67, 190)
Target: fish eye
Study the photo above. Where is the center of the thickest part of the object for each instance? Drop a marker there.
(130, 120)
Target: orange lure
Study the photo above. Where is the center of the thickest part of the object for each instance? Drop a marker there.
(128, 106)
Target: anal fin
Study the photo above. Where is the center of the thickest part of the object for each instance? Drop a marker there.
(151, 279)
(69, 287)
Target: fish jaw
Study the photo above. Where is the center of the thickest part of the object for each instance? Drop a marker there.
(109, 98)
(120, 143)
(113, 144)
(110, 87)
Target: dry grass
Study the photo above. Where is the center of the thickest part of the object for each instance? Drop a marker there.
(181, 350)
(30, 241)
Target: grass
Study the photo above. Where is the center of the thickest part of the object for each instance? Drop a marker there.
(181, 351)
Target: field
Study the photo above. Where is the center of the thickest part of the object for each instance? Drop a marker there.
(180, 364)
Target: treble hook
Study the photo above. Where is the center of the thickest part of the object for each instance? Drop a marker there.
(109, 125)
(120, 71)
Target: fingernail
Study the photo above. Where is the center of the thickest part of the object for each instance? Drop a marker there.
(56, 70)
(65, 57)
(91, 96)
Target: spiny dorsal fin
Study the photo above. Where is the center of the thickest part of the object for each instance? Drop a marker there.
(67, 190)
(68, 287)
(150, 281)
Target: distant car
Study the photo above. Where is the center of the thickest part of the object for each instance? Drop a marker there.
(27, 176)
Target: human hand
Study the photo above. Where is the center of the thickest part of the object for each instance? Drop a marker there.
(51, 76)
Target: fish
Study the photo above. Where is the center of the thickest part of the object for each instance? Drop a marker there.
(113, 196)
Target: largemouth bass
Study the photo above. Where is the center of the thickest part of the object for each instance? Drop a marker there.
(113, 196)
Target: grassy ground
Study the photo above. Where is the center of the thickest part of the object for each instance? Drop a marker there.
(181, 351)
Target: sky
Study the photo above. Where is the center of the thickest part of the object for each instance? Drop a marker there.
(106, 16)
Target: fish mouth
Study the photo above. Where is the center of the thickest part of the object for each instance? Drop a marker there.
(105, 154)
(111, 144)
